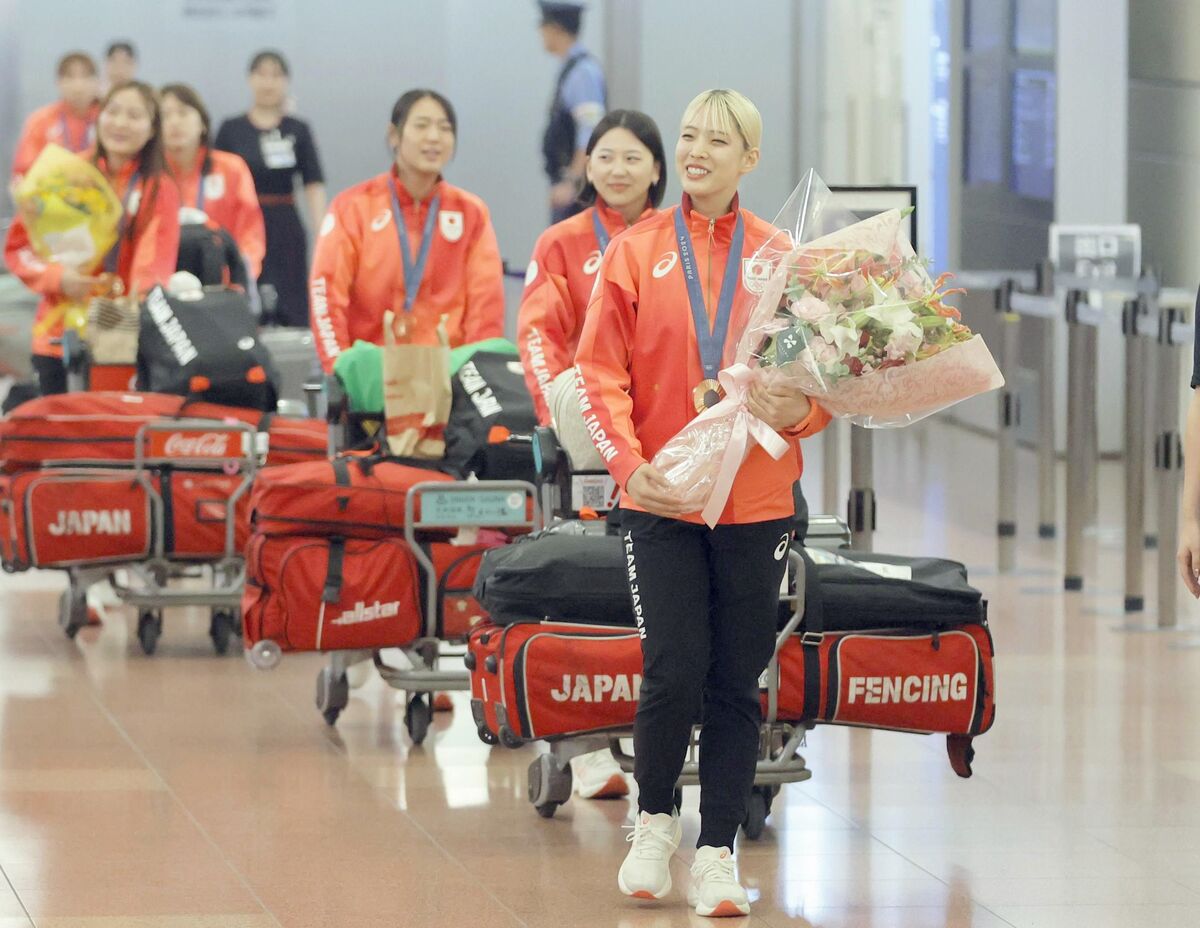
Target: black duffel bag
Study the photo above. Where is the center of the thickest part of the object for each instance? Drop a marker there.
(859, 590)
(568, 577)
(492, 419)
(205, 349)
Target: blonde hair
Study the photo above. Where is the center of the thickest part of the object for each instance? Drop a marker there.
(727, 111)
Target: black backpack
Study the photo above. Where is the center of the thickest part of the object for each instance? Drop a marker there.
(489, 393)
(212, 256)
(205, 349)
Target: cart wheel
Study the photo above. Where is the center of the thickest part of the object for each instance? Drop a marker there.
(549, 785)
(509, 738)
(417, 717)
(333, 694)
(221, 630)
(72, 612)
(265, 655)
(149, 630)
(487, 736)
(757, 810)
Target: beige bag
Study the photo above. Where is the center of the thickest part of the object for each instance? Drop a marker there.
(112, 330)
(416, 394)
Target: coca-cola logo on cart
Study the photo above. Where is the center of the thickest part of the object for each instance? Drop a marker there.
(196, 445)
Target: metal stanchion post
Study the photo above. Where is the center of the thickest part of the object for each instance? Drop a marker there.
(1010, 418)
(1132, 316)
(1077, 457)
(831, 466)
(1091, 357)
(860, 510)
(1046, 451)
(1168, 461)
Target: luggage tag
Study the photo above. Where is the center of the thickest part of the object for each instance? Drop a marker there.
(278, 151)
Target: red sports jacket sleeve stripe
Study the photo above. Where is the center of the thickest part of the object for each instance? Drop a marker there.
(545, 327)
(602, 364)
(335, 262)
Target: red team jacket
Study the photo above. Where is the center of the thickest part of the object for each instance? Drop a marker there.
(638, 360)
(54, 123)
(557, 287)
(229, 199)
(146, 255)
(358, 275)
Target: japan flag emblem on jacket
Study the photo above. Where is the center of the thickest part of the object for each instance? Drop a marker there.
(451, 224)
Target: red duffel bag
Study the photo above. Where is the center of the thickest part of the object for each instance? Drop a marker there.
(554, 679)
(73, 517)
(80, 428)
(358, 497)
(329, 594)
(197, 508)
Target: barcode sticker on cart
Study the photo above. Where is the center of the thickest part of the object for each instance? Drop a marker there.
(473, 507)
(593, 491)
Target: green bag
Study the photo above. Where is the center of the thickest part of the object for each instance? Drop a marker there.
(360, 370)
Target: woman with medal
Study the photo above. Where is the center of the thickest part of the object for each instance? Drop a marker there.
(70, 121)
(662, 321)
(129, 154)
(409, 242)
(278, 147)
(626, 179)
(214, 186)
(626, 174)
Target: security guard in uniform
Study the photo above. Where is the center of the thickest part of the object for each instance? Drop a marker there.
(578, 105)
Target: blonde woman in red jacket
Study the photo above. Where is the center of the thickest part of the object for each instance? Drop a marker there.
(663, 318)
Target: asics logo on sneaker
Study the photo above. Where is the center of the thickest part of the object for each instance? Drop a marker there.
(931, 688)
(92, 522)
(364, 613)
(582, 687)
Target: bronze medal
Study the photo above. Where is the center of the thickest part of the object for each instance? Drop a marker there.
(706, 394)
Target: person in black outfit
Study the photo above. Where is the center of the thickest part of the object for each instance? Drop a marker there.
(580, 98)
(277, 147)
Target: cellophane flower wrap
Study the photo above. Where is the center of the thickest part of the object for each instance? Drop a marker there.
(72, 216)
(847, 312)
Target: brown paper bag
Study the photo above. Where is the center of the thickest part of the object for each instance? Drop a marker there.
(416, 394)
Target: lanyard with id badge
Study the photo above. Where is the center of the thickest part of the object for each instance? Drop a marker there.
(278, 151)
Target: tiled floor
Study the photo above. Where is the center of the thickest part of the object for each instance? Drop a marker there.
(188, 791)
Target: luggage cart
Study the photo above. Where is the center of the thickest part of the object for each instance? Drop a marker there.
(431, 506)
(779, 743)
(177, 445)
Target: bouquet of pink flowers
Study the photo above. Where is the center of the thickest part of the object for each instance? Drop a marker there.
(848, 314)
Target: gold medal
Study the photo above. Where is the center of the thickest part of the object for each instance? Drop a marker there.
(706, 394)
(401, 327)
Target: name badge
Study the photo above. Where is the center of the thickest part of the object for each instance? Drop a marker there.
(214, 186)
(278, 151)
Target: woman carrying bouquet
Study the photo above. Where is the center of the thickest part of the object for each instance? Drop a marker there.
(217, 184)
(626, 177)
(663, 318)
(129, 154)
(409, 242)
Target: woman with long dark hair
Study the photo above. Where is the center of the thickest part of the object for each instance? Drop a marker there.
(129, 153)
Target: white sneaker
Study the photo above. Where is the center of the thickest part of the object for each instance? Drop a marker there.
(715, 891)
(646, 873)
(598, 776)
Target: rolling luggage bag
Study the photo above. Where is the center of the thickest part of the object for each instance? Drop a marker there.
(329, 594)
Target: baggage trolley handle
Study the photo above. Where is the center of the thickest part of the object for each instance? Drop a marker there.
(501, 504)
(198, 444)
